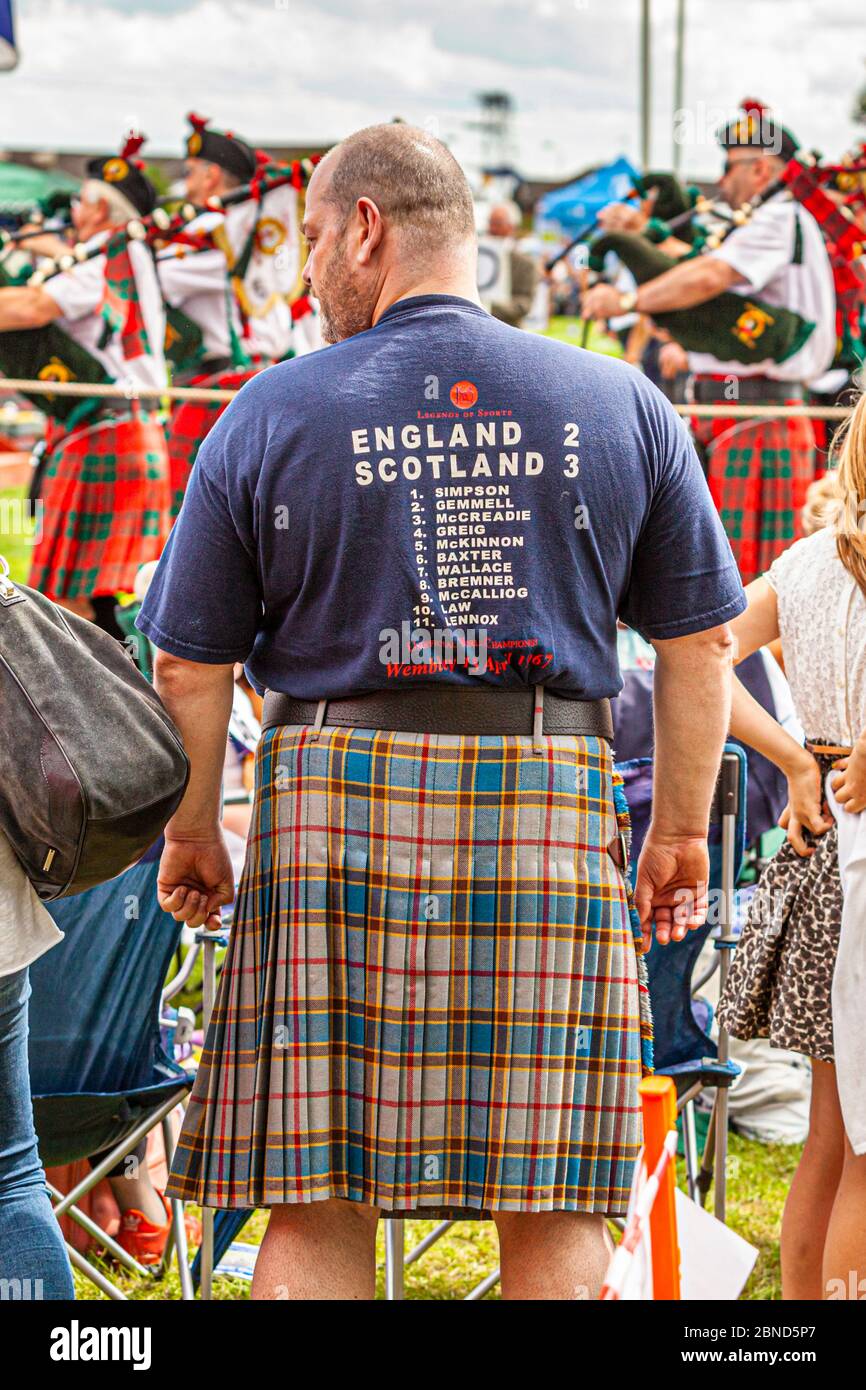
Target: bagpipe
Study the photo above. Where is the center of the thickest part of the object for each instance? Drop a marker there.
(162, 230)
(48, 354)
(745, 328)
(51, 354)
(49, 214)
(733, 327)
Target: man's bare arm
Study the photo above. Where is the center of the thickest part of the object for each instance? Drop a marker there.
(692, 707)
(692, 282)
(691, 701)
(681, 287)
(26, 307)
(195, 876)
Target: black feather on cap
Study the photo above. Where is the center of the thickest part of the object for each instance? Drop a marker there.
(221, 147)
(126, 174)
(757, 129)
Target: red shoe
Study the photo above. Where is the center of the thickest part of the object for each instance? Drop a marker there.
(145, 1242)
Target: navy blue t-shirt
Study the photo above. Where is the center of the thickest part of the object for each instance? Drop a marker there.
(443, 498)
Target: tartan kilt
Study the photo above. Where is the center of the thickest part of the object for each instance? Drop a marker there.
(432, 999)
(758, 472)
(104, 507)
(189, 424)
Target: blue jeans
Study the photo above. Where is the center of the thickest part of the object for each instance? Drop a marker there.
(33, 1259)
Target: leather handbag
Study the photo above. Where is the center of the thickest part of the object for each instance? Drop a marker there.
(91, 766)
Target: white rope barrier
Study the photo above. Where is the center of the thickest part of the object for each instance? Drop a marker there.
(734, 411)
(725, 410)
(111, 390)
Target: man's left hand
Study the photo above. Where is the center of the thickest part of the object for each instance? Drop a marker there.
(672, 887)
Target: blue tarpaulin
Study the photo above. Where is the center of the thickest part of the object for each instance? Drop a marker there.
(580, 202)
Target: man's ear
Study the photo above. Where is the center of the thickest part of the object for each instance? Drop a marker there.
(370, 229)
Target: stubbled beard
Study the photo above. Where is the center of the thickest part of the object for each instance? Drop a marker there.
(343, 310)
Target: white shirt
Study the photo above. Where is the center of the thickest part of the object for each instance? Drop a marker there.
(762, 251)
(273, 270)
(26, 929)
(822, 624)
(197, 282)
(79, 293)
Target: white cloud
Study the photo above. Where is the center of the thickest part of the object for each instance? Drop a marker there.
(314, 71)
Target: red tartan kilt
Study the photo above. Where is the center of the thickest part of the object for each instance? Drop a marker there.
(758, 473)
(104, 508)
(190, 423)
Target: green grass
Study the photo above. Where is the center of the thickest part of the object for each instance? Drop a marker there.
(758, 1179)
(570, 330)
(15, 541)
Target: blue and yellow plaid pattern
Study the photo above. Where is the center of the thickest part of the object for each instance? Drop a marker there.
(432, 998)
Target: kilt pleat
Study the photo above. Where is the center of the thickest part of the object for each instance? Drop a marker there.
(432, 999)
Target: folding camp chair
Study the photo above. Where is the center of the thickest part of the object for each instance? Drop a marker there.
(683, 1047)
(101, 1077)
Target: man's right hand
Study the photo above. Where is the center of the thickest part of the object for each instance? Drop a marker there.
(672, 886)
(195, 879)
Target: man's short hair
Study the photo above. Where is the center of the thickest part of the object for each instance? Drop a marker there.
(230, 181)
(413, 179)
(120, 209)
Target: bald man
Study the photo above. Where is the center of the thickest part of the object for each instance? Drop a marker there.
(523, 277)
(419, 541)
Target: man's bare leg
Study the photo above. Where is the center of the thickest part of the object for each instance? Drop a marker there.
(318, 1250)
(552, 1254)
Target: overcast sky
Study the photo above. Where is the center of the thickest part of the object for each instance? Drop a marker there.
(313, 70)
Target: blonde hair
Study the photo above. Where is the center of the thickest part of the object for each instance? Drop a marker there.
(849, 447)
(822, 503)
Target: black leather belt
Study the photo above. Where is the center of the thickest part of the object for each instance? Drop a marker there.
(750, 390)
(448, 709)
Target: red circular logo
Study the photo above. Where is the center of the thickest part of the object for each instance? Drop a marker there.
(464, 394)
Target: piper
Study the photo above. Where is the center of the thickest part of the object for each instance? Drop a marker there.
(775, 251)
(103, 484)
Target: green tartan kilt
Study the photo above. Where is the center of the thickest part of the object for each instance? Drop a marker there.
(758, 472)
(104, 507)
